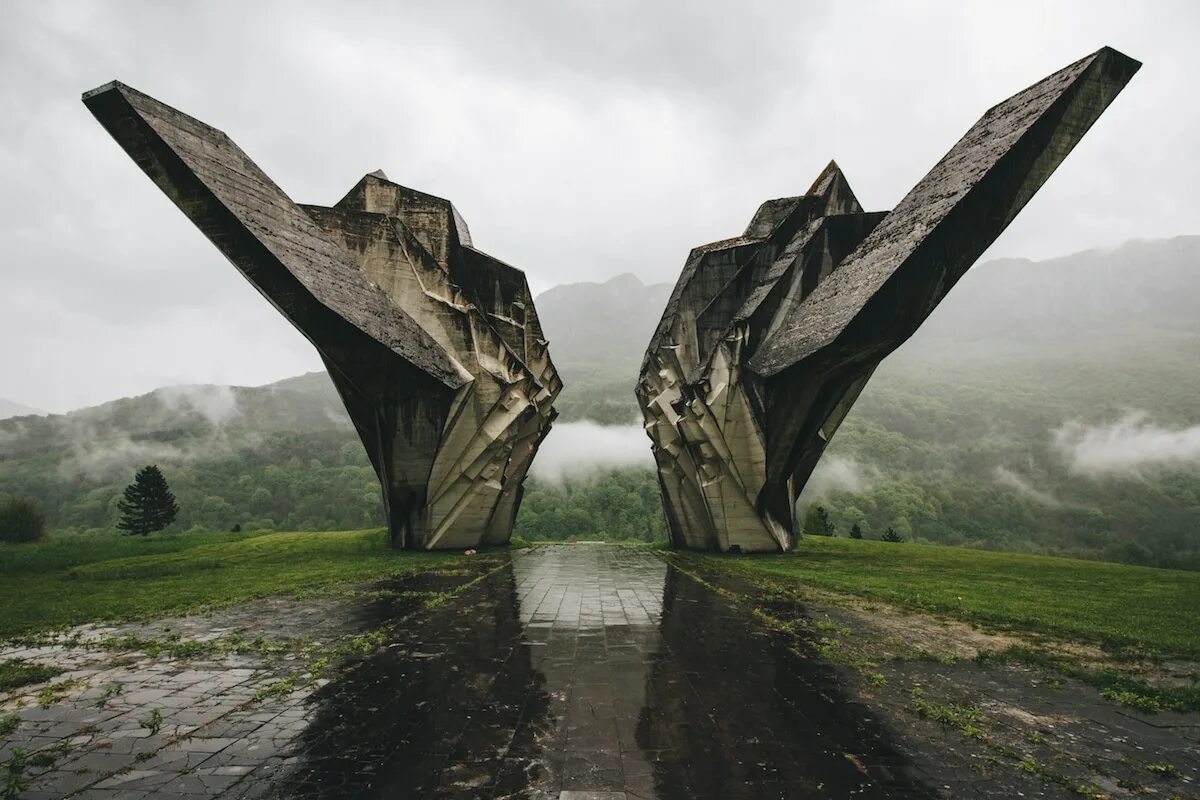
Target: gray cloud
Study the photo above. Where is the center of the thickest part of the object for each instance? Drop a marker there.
(1131, 446)
(580, 140)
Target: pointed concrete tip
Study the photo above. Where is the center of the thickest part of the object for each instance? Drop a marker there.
(831, 169)
(1133, 64)
(378, 174)
(113, 84)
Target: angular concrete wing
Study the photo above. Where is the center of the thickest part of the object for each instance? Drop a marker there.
(434, 346)
(769, 338)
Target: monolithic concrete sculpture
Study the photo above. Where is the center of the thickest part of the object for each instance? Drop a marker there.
(434, 346)
(768, 338)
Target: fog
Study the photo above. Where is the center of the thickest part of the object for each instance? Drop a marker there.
(217, 404)
(835, 473)
(579, 140)
(97, 453)
(1131, 446)
(574, 449)
(1024, 487)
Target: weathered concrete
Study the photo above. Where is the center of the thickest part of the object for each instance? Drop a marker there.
(434, 346)
(769, 338)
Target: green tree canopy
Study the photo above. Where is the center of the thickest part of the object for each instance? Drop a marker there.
(148, 504)
(817, 521)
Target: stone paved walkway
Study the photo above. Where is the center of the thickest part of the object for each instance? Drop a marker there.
(579, 672)
(591, 671)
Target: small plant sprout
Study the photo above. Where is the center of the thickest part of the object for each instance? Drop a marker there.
(153, 721)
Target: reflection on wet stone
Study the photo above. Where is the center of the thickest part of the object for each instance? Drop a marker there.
(735, 712)
(433, 714)
(590, 671)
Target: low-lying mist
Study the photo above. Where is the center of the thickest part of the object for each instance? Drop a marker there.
(837, 474)
(577, 449)
(1130, 446)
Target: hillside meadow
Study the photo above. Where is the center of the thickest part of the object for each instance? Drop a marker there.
(76, 579)
(71, 580)
(1115, 605)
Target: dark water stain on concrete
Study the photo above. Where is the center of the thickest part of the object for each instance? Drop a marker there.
(594, 670)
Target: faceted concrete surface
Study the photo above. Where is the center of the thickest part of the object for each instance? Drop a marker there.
(769, 337)
(434, 346)
(582, 672)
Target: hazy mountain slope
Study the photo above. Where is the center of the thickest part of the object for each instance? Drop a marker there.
(1139, 301)
(598, 333)
(10, 409)
(1045, 406)
(1097, 294)
(592, 323)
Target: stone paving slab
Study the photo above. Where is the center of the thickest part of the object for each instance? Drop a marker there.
(577, 672)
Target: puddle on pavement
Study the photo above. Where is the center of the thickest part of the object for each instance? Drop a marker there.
(590, 668)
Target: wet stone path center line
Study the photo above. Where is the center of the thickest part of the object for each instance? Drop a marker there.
(592, 672)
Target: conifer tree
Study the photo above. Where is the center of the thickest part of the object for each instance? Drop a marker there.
(818, 523)
(855, 531)
(148, 504)
(890, 535)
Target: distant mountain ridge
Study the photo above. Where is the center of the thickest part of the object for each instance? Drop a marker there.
(598, 332)
(1147, 286)
(981, 430)
(610, 322)
(10, 409)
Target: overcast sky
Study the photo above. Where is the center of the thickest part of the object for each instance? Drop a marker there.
(579, 139)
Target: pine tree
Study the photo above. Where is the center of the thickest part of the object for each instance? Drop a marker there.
(817, 522)
(855, 531)
(148, 504)
(824, 524)
(890, 535)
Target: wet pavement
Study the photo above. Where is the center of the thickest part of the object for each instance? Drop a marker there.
(591, 671)
(575, 672)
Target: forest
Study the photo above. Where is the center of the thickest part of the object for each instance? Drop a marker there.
(981, 455)
(1062, 421)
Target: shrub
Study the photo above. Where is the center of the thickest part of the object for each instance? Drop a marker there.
(21, 521)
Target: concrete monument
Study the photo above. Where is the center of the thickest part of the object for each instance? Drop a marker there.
(434, 346)
(769, 337)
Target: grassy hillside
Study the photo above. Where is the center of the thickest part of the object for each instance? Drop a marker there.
(72, 580)
(1080, 451)
(1111, 604)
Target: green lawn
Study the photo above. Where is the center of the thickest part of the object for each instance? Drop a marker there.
(1115, 604)
(71, 580)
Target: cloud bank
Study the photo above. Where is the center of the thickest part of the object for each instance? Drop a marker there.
(1131, 446)
(839, 474)
(578, 448)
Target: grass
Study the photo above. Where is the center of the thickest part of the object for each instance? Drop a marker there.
(1151, 610)
(15, 674)
(1116, 685)
(963, 717)
(68, 581)
(153, 721)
